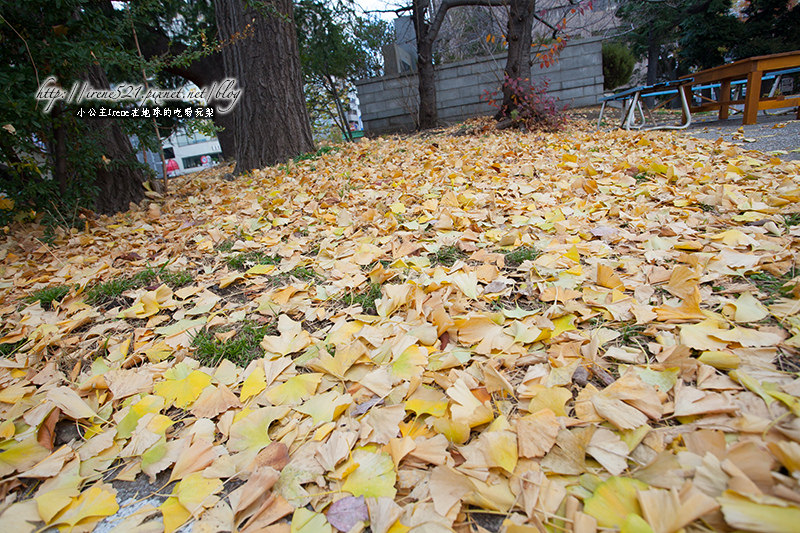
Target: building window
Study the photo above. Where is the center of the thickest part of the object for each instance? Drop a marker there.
(182, 139)
(197, 160)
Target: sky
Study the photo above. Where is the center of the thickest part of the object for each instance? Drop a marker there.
(367, 5)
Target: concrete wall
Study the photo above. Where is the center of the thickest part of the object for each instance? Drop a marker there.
(390, 103)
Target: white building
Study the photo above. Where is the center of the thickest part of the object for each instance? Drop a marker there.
(189, 151)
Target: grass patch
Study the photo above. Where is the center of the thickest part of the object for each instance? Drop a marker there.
(9, 349)
(641, 176)
(771, 285)
(365, 299)
(48, 295)
(224, 246)
(113, 289)
(176, 279)
(631, 334)
(520, 255)
(310, 156)
(239, 349)
(306, 274)
(446, 255)
(244, 260)
(791, 220)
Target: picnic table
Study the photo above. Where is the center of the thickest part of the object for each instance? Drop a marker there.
(748, 72)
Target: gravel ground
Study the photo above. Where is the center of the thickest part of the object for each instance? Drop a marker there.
(775, 134)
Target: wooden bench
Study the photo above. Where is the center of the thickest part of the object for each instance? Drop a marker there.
(749, 74)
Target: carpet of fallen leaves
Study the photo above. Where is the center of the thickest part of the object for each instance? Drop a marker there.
(574, 331)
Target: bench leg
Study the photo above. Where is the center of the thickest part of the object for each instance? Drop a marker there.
(724, 98)
(600, 118)
(630, 116)
(752, 98)
(686, 98)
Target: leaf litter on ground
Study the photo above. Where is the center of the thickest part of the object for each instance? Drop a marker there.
(427, 329)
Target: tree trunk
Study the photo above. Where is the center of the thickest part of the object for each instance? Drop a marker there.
(60, 148)
(428, 117)
(259, 49)
(653, 49)
(518, 61)
(119, 182)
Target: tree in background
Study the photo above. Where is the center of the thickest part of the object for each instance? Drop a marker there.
(57, 161)
(770, 27)
(680, 35)
(618, 64)
(708, 32)
(652, 33)
(428, 18)
(335, 49)
(259, 49)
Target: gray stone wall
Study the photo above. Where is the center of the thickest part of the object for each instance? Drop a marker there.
(390, 103)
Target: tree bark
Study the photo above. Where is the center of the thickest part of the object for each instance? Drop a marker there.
(518, 61)
(427, 115)
(259, 49)
(653, 49)
(60, 148)
(119, 177)
(119, 181)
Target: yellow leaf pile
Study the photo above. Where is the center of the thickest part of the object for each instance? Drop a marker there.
(580, 331)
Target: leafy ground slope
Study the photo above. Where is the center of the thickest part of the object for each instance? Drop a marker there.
(576, 332)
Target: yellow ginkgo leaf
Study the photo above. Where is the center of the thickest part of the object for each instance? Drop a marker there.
(325, 407)
(409, 364)
(613, 500)
(254, 384)
(175, 514)
(427, 400)
(759, 513)
(99, 501)
(148, 404)
(149, 303)
(196, 493)
(260, 270)
(70, 403)
(293, 390)
(339, 363)
(500, 449)
(230, 279)
(374, 475)
(719, 360)
(293, 338)
(562, 324)
(455, 432)
(20, 455)
(748, 309)
(552, 398)
(181, 385)
(305, 521)
(250, 432)
(58, 492)
(467, 409)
